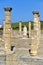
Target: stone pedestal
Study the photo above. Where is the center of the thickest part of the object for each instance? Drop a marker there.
(7, 29)
(36, 38)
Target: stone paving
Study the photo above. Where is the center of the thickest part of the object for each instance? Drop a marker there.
(24, 58)
(21, 55)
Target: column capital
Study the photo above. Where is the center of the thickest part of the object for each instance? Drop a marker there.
(36, 12)
(8, 9)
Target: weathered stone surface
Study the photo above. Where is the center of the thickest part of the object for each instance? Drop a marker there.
(7, 29)
(20, 29)
(36, 38)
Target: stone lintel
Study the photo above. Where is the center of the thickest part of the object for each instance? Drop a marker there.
(8, 9)
(36, 12)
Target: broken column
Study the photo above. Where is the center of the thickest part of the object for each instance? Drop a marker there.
(36, 38)
(7, 29)
(20, 29)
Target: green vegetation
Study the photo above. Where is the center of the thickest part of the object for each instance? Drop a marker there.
(41, 25)
(15, 26)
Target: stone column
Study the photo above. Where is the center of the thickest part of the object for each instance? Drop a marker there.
(7, 29)
(29, 29)
(20, 29)
(36, 38)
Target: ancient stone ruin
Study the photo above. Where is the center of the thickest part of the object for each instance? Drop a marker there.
(25, 50)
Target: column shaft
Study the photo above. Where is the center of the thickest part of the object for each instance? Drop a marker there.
(7, 30)
(20, 28)
(29, 29)
(35, 39)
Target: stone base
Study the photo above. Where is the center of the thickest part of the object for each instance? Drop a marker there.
(33, 53)
(24, 36)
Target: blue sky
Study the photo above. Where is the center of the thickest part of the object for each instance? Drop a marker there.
(21, 9)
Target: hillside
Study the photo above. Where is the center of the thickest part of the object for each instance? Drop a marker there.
(16, 25)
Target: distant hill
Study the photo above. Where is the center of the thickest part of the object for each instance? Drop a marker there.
(16, 25)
